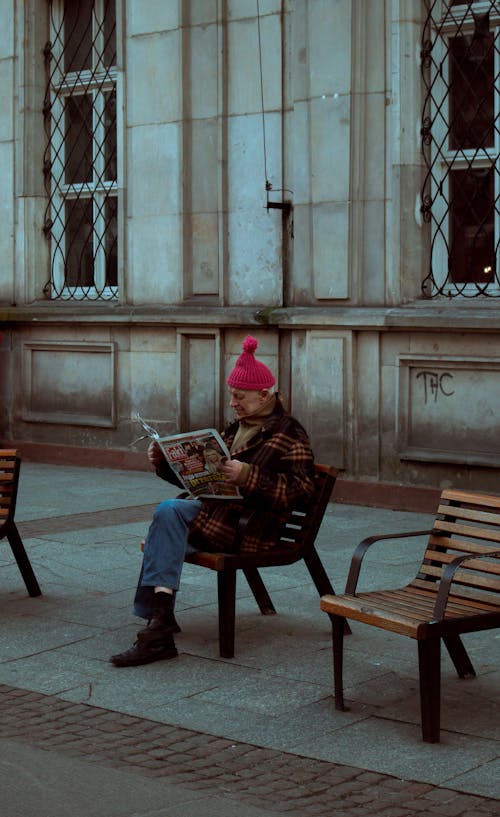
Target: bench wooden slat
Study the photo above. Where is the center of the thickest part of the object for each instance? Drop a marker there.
(486, 604)
(461, 587)
(468, 530)
(467, 598)
(469, 498)
(436, 544)
(6, 495)
(470, 514)
(6, 473)
(467, 576)
(448, 557)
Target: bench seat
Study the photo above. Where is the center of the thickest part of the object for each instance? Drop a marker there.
(410, 611)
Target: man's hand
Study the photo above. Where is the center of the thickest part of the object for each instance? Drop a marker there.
(233, 471)
(155, 454)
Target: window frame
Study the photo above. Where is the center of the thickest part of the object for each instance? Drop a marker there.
(98, 81)
(444, 159)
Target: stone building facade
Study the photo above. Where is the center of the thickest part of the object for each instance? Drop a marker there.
(176, 174)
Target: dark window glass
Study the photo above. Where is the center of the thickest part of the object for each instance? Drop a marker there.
(78, 142)
(78, 35)
(472, 251)
(79, 267)
(110, 135)
(109, 31)
(111, 243)
(471, 92)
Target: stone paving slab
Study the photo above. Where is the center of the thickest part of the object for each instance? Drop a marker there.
(89, 519)
(221, 775)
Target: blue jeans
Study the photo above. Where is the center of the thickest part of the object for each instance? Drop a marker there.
(165, 548)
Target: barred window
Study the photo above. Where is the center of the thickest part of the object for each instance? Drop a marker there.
(461, 143)
(80, 162)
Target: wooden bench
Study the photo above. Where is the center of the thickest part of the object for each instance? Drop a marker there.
(297, 542)
(10, 464)
(456, 590)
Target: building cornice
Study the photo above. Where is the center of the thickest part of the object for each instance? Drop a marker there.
(422, 316)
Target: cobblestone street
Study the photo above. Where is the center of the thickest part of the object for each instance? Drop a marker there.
(275, 782)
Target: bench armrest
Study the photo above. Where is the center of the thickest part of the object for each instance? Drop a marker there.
(447, 578)
(245, 517)
(359, 553)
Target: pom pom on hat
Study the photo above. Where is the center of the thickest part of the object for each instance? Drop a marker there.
(250, 374)
(250, 344)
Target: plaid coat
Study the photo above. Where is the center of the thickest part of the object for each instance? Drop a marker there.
(281, 476)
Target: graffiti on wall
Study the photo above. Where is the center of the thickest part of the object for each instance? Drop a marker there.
(436, 384)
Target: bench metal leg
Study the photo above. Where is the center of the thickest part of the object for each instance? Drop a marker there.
(459, 656)
(318, 573)
(226, 591)
(22, 560)
(429, 657)
(259, 591)
(338, 630)
(320, 578)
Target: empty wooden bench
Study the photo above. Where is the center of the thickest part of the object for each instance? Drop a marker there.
(10, 464)
(456, 590)
(297, 542)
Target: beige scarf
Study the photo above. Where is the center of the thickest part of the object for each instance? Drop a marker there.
(249, 426)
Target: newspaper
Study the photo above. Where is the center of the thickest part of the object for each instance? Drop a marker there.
(196, 457)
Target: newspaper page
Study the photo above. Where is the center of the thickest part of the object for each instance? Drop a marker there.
(196, 456)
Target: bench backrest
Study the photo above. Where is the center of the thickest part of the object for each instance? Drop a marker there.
(465, 523)
(9, 477)
(302, 526)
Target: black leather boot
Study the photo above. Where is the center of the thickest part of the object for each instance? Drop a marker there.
(163, 622)
(146, 653)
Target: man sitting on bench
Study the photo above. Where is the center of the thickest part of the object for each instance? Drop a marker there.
(273, 466)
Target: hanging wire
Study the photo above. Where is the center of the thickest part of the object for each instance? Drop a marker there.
(268, 183)
(278, 205)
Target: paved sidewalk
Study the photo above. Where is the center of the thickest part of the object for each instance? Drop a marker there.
(200, 734)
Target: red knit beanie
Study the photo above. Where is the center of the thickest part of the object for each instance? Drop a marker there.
(249, 374)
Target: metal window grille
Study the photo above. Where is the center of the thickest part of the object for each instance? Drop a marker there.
(461, 145)
(80, 160)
